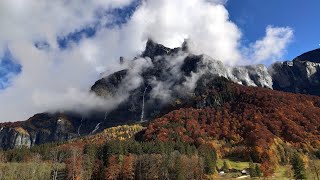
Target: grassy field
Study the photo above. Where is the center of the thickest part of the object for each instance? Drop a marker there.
(282, 172)
(234, 164)
(30, 171)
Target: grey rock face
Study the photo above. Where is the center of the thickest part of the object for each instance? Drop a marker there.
(108, 86)
(168, 79)
(172, 75)
(213, 66)
(302, 75)
(296, 77)
(39, 129)
(14, 138)
(254, 75)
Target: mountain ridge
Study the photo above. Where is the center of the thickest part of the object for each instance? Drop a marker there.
(254, 117)
(162, 73)
(311, 56)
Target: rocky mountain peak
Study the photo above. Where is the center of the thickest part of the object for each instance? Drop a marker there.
(302, 75)
(154, 49)
(160, 80)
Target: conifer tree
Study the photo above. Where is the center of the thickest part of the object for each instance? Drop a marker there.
(258, 171)
(252, 169)
(179, 169)
(298, 167)
(226, 166)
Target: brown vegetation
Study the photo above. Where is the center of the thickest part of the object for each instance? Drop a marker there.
(246, 116)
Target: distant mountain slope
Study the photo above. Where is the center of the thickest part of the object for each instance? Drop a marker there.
(302, 75)
(256, 118)
(123, 132)
(155, 83)
(311, 56)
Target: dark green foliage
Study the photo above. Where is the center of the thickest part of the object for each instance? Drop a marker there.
(44, 150)
(298, 167)
(150, 147)
(91, 151)
(209, 157)
(226, 166)
(217, 90)
(254, 170)
(169, 155)
(165, 160)
(133, 147)
(258, 171)
(181, 147)
(179, 169)
(111, 148)
(18, 155)
(317, 154)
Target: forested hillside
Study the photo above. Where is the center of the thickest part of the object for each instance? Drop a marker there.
(256, 123)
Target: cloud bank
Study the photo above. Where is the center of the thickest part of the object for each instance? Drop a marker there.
(52, 78)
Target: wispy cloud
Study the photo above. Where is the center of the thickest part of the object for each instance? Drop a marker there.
(272, 47)
(90, 45)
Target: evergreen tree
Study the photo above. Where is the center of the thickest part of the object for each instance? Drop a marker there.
(317, 154)
(226, 166)
(209, 158)
(258, 171)
(298, 167)
(134, 147)
(189, 150)
(90, 150)
(111, 148)
(252, 169)
(179, 169)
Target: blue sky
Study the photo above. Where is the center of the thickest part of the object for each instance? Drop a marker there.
(120, 16)
(252, 16)
(8, 68)
(50, 56)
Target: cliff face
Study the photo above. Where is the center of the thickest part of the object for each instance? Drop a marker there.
(108, 86)
(253, 75)
(168, 77)
(160, 80)
(39, 129)
(14, 137)
(302, 75)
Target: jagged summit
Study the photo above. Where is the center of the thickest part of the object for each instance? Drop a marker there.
(154, 49)
(157, 82)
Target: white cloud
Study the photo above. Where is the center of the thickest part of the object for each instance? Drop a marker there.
(52, 72)
(205, 23)
(272, 46)
(71, 100)
(54, 78)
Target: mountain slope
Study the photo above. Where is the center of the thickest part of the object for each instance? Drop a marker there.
(155, 83)
(261, 120)
(302, 75)
(311, 56)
